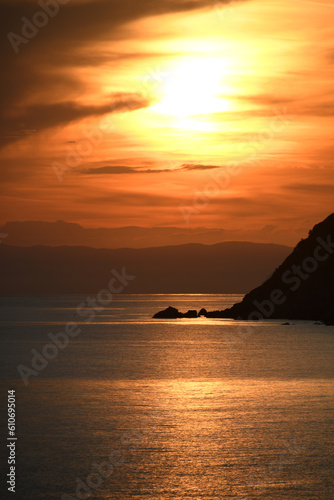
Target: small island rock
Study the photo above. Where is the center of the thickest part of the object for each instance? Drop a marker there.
(173, 313)
(190, 314)
(169, 313)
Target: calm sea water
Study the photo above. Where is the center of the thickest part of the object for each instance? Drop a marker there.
(135, 408)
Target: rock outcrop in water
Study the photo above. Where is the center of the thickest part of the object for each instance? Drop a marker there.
(172, 313)
(302, 287)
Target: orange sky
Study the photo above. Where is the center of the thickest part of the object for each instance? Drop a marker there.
(187, 113)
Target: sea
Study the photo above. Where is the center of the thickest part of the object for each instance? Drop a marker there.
(130, 407)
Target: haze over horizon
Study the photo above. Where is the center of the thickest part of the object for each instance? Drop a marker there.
(178, 114)
(60, 233)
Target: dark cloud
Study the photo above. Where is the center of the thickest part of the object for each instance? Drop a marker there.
(266, 99)
(117, 170)
(82, 22)
(267, 106)
(121, 169)
(311, 188)
(331, 56)
(322, 105)
(190, 166)
(40, 117)
(40, 71)
(321, 109)
(89, 59)
(74, 28)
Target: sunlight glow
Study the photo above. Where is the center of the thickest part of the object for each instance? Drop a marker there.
(193, 87)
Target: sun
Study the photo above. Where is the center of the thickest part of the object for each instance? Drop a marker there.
(193, 87)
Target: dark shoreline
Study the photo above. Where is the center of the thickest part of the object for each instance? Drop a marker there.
(301, 288)
(173, 313)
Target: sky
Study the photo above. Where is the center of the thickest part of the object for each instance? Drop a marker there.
(181, 113)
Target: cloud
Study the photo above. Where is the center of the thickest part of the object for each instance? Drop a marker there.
(191, 166)
(122, 169)
(266, 99)
(331, 56)
(322, 106)
(44, 116)
(117, 170)
(92, 59)
(76, 26)
(322, 109)
(40, 86)
(311, 188)
(82, 22)
(269, 228)
(38, 73)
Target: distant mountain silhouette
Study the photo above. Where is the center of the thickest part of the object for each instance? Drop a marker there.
(60, 233)
(229, 267)
(300, 288)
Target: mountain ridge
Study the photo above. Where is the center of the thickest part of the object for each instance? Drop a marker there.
(28, 233)
(227, 267)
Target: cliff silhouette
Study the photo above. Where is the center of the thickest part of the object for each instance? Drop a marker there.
(301, 288)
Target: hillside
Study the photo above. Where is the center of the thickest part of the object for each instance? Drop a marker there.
(302, 287)
(61, 233)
